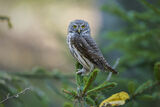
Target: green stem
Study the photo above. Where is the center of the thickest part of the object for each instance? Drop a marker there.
(79, 102)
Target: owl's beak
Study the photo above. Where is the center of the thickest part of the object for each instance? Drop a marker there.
(79, 30)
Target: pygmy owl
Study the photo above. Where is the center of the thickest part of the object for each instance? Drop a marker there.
(84, 49)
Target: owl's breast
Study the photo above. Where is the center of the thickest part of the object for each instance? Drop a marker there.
(69, 37)
(76, 54)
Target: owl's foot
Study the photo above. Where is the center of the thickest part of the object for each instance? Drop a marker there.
(81, 72)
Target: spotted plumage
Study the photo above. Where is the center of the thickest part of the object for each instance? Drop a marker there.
(84, 48)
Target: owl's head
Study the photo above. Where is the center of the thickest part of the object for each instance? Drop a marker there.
(79, 27)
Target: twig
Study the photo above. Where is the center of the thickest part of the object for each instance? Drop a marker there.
(114, 66)
(44, 75)
(135, 95)
(150, 6)
(7, 19)
(75, 102)
(14, 96)
(67, 92)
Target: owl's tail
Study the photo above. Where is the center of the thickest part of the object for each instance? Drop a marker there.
(111, 69)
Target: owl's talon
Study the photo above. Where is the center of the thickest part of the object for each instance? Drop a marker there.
(81, 72)
(78, 70)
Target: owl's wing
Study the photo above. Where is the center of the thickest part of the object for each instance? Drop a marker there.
(87, 47)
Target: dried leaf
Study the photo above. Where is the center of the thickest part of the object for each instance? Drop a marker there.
(115, 100)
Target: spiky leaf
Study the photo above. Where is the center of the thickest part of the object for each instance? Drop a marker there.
(105, 85)
(91, 78)
(131, 87)
(144, 87)
(157, 71)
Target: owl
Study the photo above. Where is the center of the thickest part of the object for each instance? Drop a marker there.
(84, 49)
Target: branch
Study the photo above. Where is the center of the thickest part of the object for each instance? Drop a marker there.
(7, 19)
(90, 80)
(150, 6)
(45, 75)
(155, 84)
(114, 66)
(67, 92)
(14, 96)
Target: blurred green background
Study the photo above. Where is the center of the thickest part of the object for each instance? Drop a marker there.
(34, 53)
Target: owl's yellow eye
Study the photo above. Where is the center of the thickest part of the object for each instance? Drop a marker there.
(74, 26)
(83, 26)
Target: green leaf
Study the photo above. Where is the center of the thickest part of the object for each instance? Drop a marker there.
(70, 94)
(78, 66)
(6, 76)
(144, 87)
(1, 105)
(146, 97)
(67, 104)
(91, 78)
(131, 87)
(39, 70)
(90, 101)
(132, 104)
(156, 95)
(79, 78)
(105, 85)
(117, 10)
(150, 6)
(41, 96)
(157, 71)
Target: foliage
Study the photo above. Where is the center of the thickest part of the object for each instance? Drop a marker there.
(13, 84)
(87, 92)
(139, 45)
(139, 69)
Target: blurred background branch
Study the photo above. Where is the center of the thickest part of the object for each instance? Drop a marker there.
(14, 96)
(5, 18)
